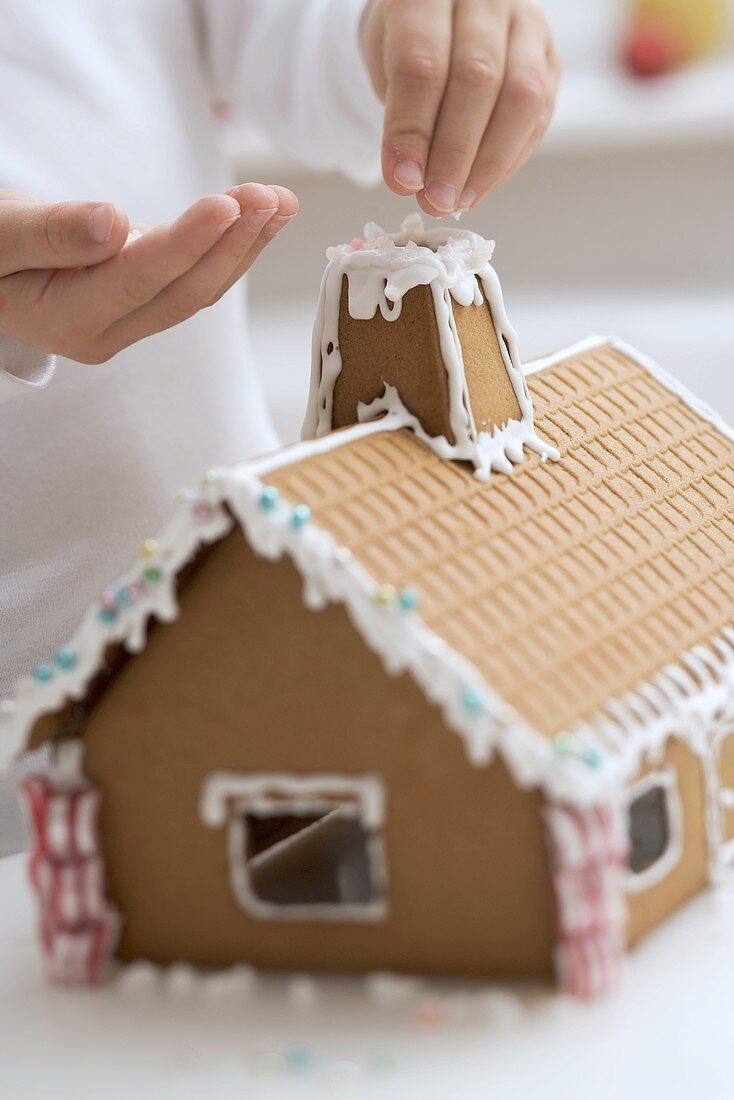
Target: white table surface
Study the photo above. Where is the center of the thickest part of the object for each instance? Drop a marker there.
(666, 1034)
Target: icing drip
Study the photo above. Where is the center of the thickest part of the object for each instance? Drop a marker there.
(381, 269)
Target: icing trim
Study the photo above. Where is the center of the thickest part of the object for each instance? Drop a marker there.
(227, 796)
(380, 271)
(667, 780)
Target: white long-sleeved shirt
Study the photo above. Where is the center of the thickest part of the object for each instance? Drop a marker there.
(113, 101)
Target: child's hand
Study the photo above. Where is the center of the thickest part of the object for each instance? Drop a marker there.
(70, 286)
(469, 88)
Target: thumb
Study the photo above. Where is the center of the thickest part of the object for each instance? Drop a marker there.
(60, 234)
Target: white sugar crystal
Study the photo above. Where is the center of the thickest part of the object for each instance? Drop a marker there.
(391, 989)
(139, 978)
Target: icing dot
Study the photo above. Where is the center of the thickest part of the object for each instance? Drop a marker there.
(431, 1015)
(66, 658)
(269, 498)
(43, 673)
(301, 516)
(107, 614)
(153, 574)
(298, 1058)
(408, 599)
(108, 599)
(564, 744)
(382, 1062)
(385, 595)
(123, 596)
(357, 243)
(473, 699)
(592, 757)
(7, 707)
(147, 548)
(203, 511)
(136, 590)
(211, 477)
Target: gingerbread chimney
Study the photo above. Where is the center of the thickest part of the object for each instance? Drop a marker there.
(413, 324)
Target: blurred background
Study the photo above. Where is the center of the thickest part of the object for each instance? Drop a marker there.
(622, 223)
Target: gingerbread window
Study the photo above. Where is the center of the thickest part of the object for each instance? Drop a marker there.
(302, 847)
(655, 828)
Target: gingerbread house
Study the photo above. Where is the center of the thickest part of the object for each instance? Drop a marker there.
(450, 690)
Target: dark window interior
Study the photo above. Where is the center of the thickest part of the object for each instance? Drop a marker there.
(649, 829)
(319, 859)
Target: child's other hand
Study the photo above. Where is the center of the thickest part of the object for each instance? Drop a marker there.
(69, 284)
(469, 88)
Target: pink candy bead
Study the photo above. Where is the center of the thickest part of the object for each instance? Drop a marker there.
(136, 590)
(356, 243)
(203, 511)
(108, 600)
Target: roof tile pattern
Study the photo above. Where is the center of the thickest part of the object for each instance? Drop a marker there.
(564, 583)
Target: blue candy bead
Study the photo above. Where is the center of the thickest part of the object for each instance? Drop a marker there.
(269, 498)
(408, 599)
(301, 516)
(66, 658)
(473, 699)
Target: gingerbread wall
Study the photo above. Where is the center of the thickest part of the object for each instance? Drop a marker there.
(690, 875)
(249, 680)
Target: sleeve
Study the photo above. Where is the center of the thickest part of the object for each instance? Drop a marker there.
(22, 368)
(294, 67)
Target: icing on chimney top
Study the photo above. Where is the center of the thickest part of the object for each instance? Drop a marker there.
(376, 274)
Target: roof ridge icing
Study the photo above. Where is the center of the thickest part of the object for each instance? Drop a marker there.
(581, 765)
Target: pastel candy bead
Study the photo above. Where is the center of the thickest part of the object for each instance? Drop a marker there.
(108, 599)
(408, 599)
(473, 699)
(43, 673)
(301, 516)
(66, 658)
(203, 511)
(269, 498)
(386, 595)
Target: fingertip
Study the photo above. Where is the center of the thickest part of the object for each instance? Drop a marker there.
(120, 228)
(428, 208)
(254, 196)
(402, 170)
(107, 224)
(288, 204)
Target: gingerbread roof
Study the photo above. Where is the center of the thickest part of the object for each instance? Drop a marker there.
(567, 615)
(564, 583)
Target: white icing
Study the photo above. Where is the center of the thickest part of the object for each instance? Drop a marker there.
(666, 778)
(226, 797)
(455, 264)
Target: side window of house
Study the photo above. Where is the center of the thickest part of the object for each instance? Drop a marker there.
(302, 847)
(649, 829)
(655, 828)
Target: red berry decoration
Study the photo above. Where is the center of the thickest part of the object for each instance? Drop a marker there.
(652, 47)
